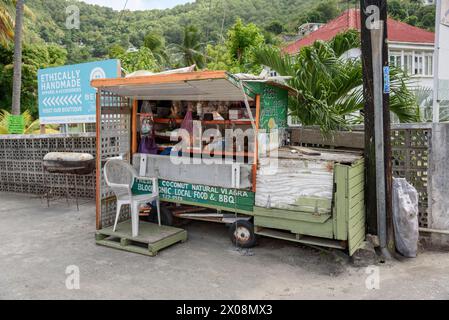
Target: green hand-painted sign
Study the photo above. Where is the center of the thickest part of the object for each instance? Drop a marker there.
(201, 195)
(274, 106)
(274, 113)
(16, 124)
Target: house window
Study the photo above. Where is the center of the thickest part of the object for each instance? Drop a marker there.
(419, 63)
(428, 62)
(408, 62)
(395, 60)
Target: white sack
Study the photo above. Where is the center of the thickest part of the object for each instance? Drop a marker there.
(405, 218)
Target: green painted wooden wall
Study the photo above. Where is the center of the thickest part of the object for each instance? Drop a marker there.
(346, 221)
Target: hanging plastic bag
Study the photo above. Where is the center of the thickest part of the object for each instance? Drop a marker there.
(405, 218)
(147, 142)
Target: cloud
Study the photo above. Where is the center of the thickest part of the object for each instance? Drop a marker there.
(138, 4)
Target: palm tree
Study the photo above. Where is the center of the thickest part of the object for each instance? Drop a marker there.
(156, 43)
(6, 21)
(190, 52)
(17, 80)
(330, 86)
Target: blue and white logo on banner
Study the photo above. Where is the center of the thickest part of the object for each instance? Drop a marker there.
(65, 93)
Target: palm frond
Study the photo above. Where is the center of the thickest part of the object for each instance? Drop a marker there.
(275, 60)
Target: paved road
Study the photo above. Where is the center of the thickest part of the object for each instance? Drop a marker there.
(39, 243)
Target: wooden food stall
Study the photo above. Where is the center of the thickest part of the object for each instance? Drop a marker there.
(310, 198)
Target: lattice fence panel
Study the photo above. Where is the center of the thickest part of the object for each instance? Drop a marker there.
(411, 161)
(115, 141)
(21, 164)
(410, 148)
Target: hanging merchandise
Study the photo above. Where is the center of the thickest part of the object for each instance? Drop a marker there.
(147, 133)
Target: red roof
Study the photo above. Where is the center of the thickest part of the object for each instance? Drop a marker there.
(350, 19)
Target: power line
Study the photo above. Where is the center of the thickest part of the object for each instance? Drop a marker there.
(121, 13)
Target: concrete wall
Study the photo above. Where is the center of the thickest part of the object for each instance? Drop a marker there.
(439, 183)
(21, 164)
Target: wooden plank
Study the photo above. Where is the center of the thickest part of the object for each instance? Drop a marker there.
(356, 189)
(357, 209)
(356, 199)
(282, 235)
(290, 215)
(357, 238)
(323, 230)
(148, 232)
(159, 79)
(256, 151)
(134, 146)
(348, 139)
(356, 223)
(355, 172)
(152, 238)
(356, 180)
(306, 151)
(129, 248)
(341, 204)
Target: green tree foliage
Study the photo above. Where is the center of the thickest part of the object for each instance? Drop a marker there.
(413, 12)
(275, 27)
(329, 88)
(156, 43)
(101, 27)
(190, 51)
(323, 12)
(242, 38)
(107, 33)
(115, 51)
(35, 57)
(6, 21)
(142, 59)
(236, 54)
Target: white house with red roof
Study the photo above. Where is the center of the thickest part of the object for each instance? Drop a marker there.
(410, 48)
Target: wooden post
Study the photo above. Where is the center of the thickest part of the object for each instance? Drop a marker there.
(134, 146)
(42, 127)
(98, 167)
(256, 147)
(370, 12)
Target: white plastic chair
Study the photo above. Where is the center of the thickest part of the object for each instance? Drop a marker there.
(120, 177)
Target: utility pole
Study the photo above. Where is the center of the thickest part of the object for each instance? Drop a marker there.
(378, 156)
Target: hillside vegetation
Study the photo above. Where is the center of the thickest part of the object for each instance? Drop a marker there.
(213, 34)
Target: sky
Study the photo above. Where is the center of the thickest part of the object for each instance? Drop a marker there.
(138, 4)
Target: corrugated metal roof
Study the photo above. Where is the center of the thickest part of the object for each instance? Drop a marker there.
(192, 86)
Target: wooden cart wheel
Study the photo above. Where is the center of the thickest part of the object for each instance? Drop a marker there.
(242, 234)
(166, 216)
